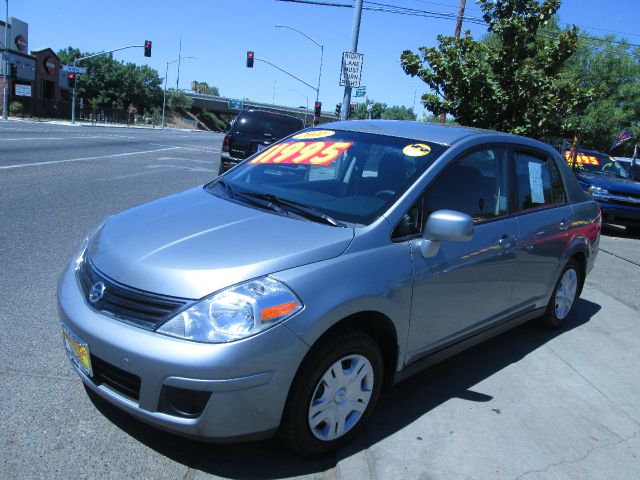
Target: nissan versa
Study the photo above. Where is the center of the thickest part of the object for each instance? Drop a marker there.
(287, 293)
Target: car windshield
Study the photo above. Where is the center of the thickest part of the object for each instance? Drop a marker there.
(344, 178)
(259, 123)
(597, 163)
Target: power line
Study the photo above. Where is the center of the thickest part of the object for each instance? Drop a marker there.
(387, 8)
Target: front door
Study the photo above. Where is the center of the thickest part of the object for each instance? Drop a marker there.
(467, 285)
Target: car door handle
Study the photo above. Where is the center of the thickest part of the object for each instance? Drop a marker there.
(506, 240)
(564, 225)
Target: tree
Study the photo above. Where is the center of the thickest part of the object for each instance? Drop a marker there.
(204, 88)
(514, 83)
(115, 84)
(398, 113)
(361, 112)
(612, 71)
(177, 100)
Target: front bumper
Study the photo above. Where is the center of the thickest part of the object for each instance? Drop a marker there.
(626, 215)
(246, 383)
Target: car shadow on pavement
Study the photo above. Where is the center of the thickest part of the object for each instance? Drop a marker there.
(397, 408)
(619, 231)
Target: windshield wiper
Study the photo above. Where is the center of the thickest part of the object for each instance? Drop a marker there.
(307, 211)
(227, 187)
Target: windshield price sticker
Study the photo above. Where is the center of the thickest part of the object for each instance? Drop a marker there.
(314, 134)
(416, 150)
(303, 153)
(582, 159)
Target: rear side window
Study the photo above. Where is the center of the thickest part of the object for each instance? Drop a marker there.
(475, 184)
(539, 182)
(259, 123)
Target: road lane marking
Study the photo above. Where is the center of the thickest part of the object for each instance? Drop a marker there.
(32, 138)
(53, 162)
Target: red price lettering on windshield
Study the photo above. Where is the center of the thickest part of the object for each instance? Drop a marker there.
(582, 159)
(303, 153)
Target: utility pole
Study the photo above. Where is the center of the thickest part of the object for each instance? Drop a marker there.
(443, 117)
(179, 55)
(5, 63)
(355, 32)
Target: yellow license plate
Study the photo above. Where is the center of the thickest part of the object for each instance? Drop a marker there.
(78, 351)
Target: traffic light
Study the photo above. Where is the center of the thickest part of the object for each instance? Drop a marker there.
(13, 70)
(249, 59)
(147, 48)
(71, 80)
(317, 109)
(338, 109)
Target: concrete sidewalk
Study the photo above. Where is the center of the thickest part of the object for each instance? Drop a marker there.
(531, 403)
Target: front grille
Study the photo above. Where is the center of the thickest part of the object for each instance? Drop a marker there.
(624, 198)
(119, 380)
(140, 308)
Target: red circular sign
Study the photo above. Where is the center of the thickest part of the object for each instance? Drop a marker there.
(49, 64)
(21, 43)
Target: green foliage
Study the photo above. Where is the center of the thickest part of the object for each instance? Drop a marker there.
(214, 122)
(360, 112)
(612, 72)
(512, 82)
(177, 100)
(115, 84)
(398, 113)
(16, 108)
(204, 88)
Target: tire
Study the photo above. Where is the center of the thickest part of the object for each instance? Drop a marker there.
(564, 296)
(325, 410)
(633, 231)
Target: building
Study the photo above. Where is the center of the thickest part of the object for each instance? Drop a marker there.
(34, 79)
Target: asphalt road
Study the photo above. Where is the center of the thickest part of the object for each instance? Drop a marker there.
(527, 404)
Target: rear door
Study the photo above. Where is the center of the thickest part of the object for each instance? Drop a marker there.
(544, 220)
(467, 285)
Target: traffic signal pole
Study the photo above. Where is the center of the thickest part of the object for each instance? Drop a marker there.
(355, 32)
(76, 60)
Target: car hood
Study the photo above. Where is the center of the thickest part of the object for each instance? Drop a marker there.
(194, 243)
(616, 184)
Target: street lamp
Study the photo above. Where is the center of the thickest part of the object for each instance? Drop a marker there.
(164, 95)
(299, 92)
(321, 54)
(307, 100)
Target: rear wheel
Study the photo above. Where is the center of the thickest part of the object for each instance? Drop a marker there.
(564, 296)
(333, 394)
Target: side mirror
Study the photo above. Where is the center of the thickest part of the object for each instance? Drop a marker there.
(446, 225)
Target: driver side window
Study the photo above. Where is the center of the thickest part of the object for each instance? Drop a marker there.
(475, 184)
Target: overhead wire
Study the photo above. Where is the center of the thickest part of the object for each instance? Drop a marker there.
(400, 10)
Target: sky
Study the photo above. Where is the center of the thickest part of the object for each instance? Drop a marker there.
(220, 32)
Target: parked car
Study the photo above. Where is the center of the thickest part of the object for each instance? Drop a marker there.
(611, 185)
(286, 294)
(253, 130)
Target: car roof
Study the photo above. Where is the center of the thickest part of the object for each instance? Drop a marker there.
(269, 112)
(430, 132)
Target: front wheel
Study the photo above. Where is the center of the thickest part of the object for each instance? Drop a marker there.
(564, 296)
(333, 394)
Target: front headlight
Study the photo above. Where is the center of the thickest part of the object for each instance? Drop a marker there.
(235, 312)
(593, 190)
(81, 253)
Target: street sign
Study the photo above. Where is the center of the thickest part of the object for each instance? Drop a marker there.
(361, 91)
(72, 69)
(236, 104)
(23, 90)
(351, 70)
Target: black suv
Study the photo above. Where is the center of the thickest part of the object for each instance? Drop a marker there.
(252, 131)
